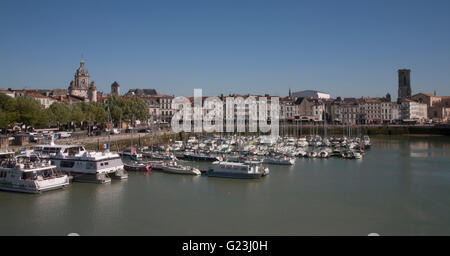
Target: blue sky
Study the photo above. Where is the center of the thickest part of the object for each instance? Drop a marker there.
(347, 48)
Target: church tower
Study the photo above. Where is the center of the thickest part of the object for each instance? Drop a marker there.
(92, 93)
(404, 84)
(115, 89)
(79, 86)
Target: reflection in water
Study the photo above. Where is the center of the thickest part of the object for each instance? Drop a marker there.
(400, 187)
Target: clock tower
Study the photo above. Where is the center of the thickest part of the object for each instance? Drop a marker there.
(80, 85)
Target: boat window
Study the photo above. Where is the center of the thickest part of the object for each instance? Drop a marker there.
(27, 176)
(74, 150)
(90, 165)
(68, 164)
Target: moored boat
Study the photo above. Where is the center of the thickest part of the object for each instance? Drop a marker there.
(83, 165)
(279, 160)
(28, 174)
(137, 167)
(174, 168)
(246, 170)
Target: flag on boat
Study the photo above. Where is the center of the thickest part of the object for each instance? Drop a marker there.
(105, 146)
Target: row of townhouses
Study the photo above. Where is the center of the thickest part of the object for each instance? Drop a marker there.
(420, 108)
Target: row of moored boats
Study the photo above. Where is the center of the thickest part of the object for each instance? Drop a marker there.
(51, 166)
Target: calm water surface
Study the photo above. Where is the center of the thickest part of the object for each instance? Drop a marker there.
(401, 187)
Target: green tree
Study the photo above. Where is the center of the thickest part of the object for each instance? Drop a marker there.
(8, 114)
(127, 109)
(137, 109)
(76, 114)
(30, 112)
(60, 113)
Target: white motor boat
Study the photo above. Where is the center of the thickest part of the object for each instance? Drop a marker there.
(28, 174)
(302, 142)
(279, 160)
(312, 154)
(174, 168)
(246, 170)
(83, 165)
(131, 153)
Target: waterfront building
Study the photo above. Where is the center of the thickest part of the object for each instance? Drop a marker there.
(287, 109)
(344, 111)
(349, 113)
(375, 110)
(318, 110)
(305, 109)
(413, 111)
(362, 111)
(159, 107)
(396, 116)
(310, 109)
(438, 106)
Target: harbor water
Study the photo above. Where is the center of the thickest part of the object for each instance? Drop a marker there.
(400, 187)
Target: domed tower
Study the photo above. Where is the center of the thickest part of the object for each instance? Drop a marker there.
(115, 89)
(92, 93)
(79, 86)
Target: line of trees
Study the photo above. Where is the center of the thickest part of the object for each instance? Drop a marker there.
(27, 111)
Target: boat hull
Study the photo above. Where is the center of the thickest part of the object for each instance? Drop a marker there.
(143, 168)
(177, 171)
(48, 185)
(234, 175)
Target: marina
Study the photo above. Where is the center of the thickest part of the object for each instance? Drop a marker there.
(229, 156)
(388, 191)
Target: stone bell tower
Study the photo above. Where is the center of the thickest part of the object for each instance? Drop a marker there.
(404, 84)
(92, 92)
(115, 89)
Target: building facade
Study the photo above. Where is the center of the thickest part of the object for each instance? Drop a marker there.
(413, 111)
